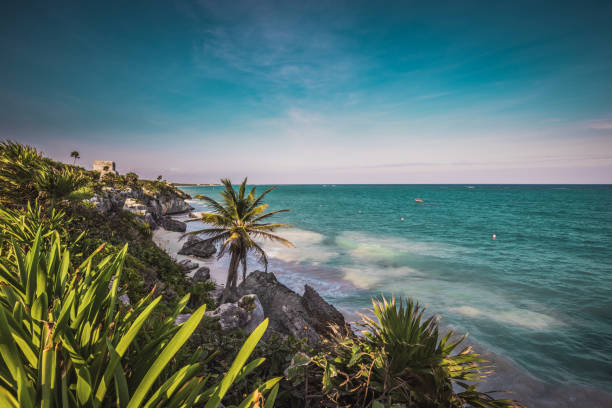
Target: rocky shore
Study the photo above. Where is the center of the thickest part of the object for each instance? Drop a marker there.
(261, 295)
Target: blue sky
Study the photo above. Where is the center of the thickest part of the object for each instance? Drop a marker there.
(315, 92)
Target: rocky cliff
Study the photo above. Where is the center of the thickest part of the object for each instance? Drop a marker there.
(152, 205)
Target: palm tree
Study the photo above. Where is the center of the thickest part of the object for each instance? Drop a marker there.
(235, 223)
(75, 155)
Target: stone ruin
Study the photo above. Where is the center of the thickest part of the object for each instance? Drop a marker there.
(104, 167)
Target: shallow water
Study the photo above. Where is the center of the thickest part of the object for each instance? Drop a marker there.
(539, 295)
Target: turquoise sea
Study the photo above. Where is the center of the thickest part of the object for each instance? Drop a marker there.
(540, 294)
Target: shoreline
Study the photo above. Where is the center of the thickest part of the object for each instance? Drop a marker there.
(508, 375)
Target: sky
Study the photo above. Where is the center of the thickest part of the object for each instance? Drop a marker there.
(315, 91)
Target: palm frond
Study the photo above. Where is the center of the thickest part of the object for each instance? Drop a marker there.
(271, 213)
(274, 238)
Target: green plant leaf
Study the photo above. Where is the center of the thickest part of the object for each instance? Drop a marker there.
(164, 357)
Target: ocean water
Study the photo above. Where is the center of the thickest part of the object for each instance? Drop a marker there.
(540, 294)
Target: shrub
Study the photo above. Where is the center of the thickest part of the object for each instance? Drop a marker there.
(131, 179)
(18, 165)
(399, 361)
(55, 185)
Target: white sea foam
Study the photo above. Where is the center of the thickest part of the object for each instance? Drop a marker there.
(309, 247)
(369, 247)
(368, 278)
(513, 316)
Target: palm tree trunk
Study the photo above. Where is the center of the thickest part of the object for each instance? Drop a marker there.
(230, 284)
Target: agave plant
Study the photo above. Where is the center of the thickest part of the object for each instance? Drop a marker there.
(65, 341)
(56, 185)
(236, 223)
(21, 226)
(401, 359)
(18, 164)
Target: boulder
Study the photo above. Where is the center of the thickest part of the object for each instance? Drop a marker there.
(196, 246)
(282, 306)
(202, 274)
(321, 314)
(188, 265)
(245, 314)
(171, 224)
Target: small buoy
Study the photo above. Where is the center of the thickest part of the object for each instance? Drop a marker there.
(402, 219)
(494, 237)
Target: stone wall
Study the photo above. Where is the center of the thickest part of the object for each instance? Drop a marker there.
(101, 165)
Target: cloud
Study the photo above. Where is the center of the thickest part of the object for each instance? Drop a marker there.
(272, 46)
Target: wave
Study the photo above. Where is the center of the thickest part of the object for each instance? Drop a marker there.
(377, 248)
(309, 247)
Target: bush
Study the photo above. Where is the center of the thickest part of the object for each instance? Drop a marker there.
(399, 361)
(18, 165)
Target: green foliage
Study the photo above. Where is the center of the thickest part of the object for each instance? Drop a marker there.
(144, 258)
(56, 185)
(65, 340)
(400, 359)
(21, 226)
(131, 178)
(235, 223)
(18, 165)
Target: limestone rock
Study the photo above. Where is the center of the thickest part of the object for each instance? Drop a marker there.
(134, 206)
(124, 299)
(282, 306)
(321, 314)
(188, 265)
(171, 224)
(246, 314)
(196, 246)
(202, 274)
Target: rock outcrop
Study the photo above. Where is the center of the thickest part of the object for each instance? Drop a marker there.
(135, 207)
(196, 246)
(152, 205)
(202, 274)
(166, 203)
(188, 265)
(321, 314)
(246, 314)
(171, 224)
(290, 313)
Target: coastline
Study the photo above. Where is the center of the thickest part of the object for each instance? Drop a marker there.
(507, 376)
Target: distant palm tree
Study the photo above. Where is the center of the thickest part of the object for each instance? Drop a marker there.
(75, 155)
(235, 223)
